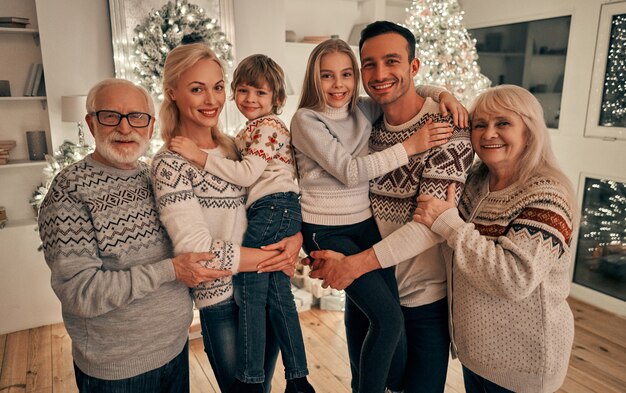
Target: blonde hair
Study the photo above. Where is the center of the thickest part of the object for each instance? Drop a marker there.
(179, 60)
(94, 92)
(537, 159)
(312, 94)
(256, 69)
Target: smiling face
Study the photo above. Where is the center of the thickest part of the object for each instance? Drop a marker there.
(120, 146)
(254, 102)
(499, 139)
(386, 71)
(337, 79)
(199, 96)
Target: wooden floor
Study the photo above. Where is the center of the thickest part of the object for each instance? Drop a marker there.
(39, 360)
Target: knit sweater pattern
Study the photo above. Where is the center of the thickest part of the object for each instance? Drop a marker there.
(508, 257)
(202, 213)
(334, 164)
(110, 265)
(410, 246)
(267, 165)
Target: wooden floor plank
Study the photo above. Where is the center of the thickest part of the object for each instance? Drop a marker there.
(63, 380)
(3, 340)
(598, 361)
(13, 378)
(593, 319)
(39, 363)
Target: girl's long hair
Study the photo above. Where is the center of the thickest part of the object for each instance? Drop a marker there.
(312, 94)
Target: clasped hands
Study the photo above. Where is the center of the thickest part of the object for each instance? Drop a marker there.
(339, 271)
(191, 268)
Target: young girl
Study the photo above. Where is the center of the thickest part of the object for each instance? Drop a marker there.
(330, 133)
(273, 211)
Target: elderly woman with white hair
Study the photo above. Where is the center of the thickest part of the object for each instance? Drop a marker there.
(507, 249)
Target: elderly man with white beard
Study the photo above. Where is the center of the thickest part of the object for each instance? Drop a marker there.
(124, 297)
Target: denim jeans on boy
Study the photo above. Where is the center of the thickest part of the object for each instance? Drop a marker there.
(270, 219)
(172, 377)
(474, 383)
(428, 345)
(219, 332)
(373, 319)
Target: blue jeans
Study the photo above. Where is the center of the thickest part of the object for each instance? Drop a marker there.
(270, 219)
(428, 344)
(219, 333)
(173, 377)
(374, 324)
(474, 383)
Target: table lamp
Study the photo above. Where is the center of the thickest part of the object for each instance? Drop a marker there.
(73, 110)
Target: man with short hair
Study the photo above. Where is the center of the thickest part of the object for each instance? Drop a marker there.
(388, 66)
(124, 298)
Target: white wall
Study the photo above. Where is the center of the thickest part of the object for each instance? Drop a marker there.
(77, 53)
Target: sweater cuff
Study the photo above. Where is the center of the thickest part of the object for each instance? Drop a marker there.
(384, 254)
(166, 268)
(448, 223)
(400, 154)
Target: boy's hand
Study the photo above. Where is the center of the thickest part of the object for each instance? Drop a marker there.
(430, 135)
(188, 149)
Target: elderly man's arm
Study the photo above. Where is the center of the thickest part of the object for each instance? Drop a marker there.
(77, 275)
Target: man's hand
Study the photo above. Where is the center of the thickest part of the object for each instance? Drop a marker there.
(429, 207)
(191, 273)
(339, 271)
(449, 104)
(290, 249)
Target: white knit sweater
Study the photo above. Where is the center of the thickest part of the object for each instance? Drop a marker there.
(201, 213)
(509, 277)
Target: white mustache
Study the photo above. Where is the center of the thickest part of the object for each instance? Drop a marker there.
(119, 137)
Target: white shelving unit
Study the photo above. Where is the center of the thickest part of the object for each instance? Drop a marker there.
(19, 113)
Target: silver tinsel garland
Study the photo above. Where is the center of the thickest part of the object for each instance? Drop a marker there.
(166, 28)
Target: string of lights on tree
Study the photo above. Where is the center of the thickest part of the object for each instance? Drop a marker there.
(445, 49)
(166, 28)
(613, 109)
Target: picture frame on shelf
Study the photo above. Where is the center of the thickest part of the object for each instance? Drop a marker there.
(605, 102)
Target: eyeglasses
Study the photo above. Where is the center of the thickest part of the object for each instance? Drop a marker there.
(112, 118)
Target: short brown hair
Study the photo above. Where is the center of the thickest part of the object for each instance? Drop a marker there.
(256, 69)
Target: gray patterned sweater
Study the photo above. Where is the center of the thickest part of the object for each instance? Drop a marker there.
(109, 259)
(201, 212)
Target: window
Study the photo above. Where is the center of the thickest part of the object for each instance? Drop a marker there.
(528, 54)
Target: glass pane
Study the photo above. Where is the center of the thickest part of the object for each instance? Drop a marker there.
(613, 112)
(601, 252)
(529, 54)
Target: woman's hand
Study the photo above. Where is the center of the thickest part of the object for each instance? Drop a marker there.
(290, 249)
(449, 104)
(429, 207)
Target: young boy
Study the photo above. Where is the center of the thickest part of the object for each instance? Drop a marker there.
(273, 210)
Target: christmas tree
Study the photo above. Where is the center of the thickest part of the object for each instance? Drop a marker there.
(614, 99)
(445, 49)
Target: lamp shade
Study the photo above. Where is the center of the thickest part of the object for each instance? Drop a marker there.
(73, 108)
